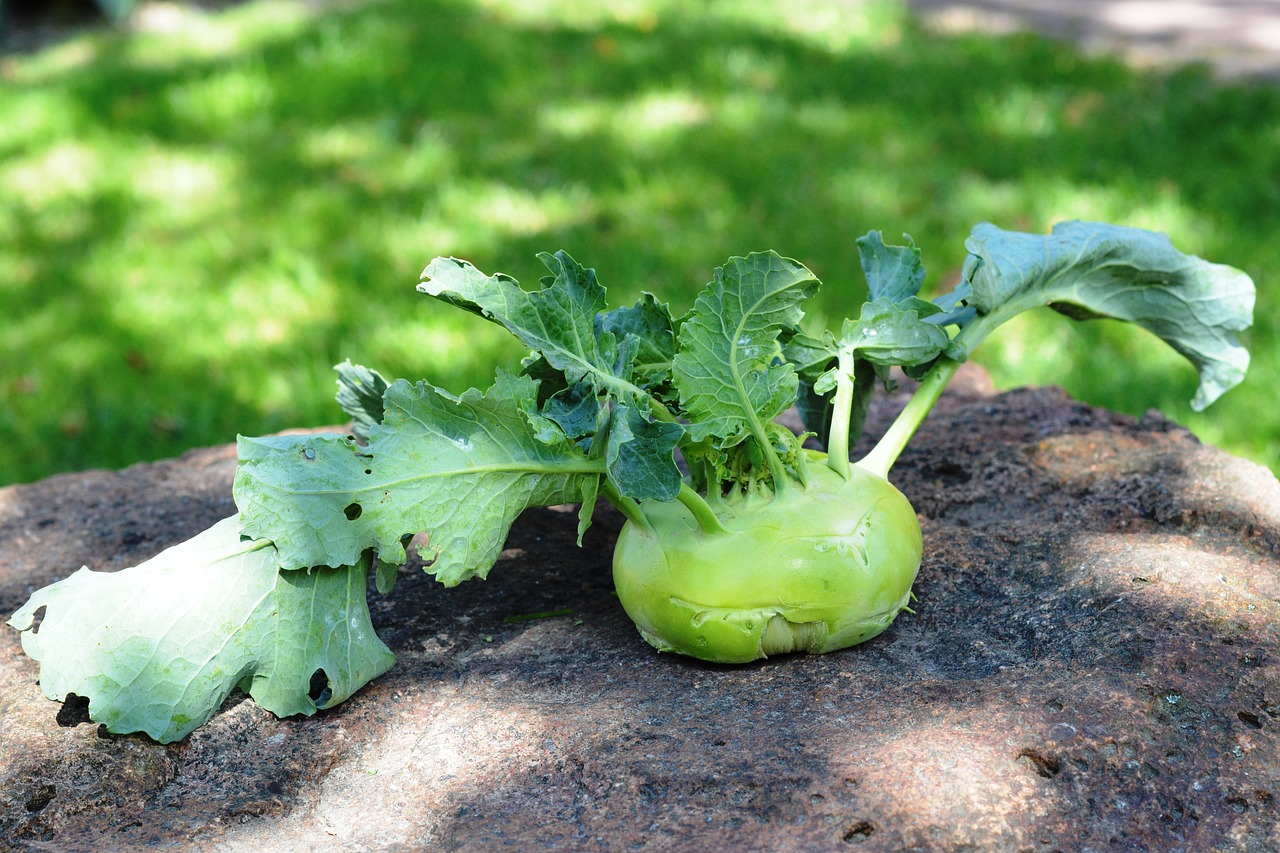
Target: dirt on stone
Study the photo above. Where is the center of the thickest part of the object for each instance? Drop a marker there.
(1093, 664)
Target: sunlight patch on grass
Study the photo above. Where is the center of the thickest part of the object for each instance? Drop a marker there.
(643, 122)
(358, 141)
(658, 115)
(1022, 112)
(183, 188)
(276, 303)
(1036, 205)
(433, 336)
(34, 117)
(479, 211)
(175, 35)
(427, 160)
(63, 170)
(226, 101)
(367, 152)
(854, 189)
(835, 26)
(54, 61)
(641, 14)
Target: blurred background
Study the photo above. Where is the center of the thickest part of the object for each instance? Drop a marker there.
(204, 206)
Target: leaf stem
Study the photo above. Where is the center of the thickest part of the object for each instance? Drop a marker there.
(707, 520)
(838, 437)
(761, 435)
(887, 450)
(625, 505)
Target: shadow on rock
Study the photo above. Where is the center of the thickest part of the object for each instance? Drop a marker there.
(1091, 663)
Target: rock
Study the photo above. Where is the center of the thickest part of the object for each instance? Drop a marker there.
(1093, 664)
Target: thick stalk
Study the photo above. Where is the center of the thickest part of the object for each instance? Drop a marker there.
(887, 450)
(838, 439)
(625, 505)
(702, 513)
(771, 459)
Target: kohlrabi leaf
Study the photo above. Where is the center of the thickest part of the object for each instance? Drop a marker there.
(891, 333)
(810, 356)
(565, 323)
(893, 272)
(641, 455)
(1091, 270)
(360, 392)
(158, 647)
(649, 323)
(576, 410)
(726, 368)
(458, 468)
(559, 320)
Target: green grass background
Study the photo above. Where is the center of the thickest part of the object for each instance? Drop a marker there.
(196, 225)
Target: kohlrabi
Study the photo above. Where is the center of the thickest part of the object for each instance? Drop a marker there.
(739, 541)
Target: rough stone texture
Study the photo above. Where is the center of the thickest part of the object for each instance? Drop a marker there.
(1093, 664)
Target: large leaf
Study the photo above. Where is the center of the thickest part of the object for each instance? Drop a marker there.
(727, 370)
(559, 320)
(1088, 270)
(158, 647)
(459, 468)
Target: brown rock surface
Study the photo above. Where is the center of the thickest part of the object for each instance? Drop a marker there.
(1094, 664)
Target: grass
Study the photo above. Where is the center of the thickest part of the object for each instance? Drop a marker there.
(196, 225)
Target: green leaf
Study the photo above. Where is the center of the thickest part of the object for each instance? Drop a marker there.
(893, 272)
(726, 368)
(157, 648)
(811, 356)
(641, 455)
(458, 468)
(566, 324)
(891, 333)
(590, 491)
(650, 325)
(1087, 270)
(384, 577)
(576, 410)
(360, 391)
(559, 320)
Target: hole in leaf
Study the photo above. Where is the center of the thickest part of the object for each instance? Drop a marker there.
(74, 711)
(352, 511)
(37, 618)
(319, 691)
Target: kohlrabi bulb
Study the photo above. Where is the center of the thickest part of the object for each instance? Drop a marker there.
(817, 569)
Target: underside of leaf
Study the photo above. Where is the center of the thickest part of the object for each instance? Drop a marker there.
(1092, 270)
(157, 648)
